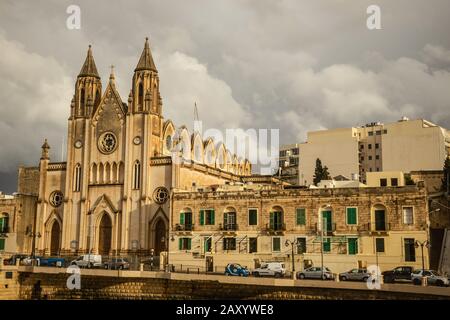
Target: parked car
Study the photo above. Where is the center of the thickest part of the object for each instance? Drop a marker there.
(29, 260)
(51, 262)
(355, 275)
(235, 269)
(88, 261)
(433, 278)
(399, 273)
(274, 269)
(13, 259)
(316, 273)
(117, 263)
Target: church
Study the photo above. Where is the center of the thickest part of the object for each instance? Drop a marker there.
(112, 195)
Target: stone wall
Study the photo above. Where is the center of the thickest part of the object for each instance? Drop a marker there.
(53, 286)
(28, 180)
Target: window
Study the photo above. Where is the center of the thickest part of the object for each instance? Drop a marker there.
(186, 220)
(4, 222)
(352, 216)
(169, 143)
(253, 245)
(385, 131)
(301, 245)
(352, 245)
(378, 169)
(77, 178)
(281, 163)
(408, 217)
(377, 157)
(377, 146)
(378, 132)
(283, 153)
(370, 146)
(370, 133)
(410, 250)
(370, 157)
(2, 244)
(137, 175)
(370, 169)
(252, 217)
(140, 96)
(301, 216)
(362, 158)
(276, 244)
(383, 182)
(295, 151)
(380, 220)
(326, 245)
(208, 244)
(229, 243)
(394, 182)
(327, 221)
(361, 146)
(379, 244)
(229, 221)
(207, 217)
(184, 243)
(276, 220)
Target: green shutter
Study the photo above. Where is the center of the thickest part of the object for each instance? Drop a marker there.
(189, 241)
(1, 224)
(2, 244)
(326, 245)
(328, 223)
(180, 244)
(202, 217)
(352, 246)
(301, 216)
(351, 215)
(272, 220)
(207, 248)
(276, 244)
(213, 217)
(182, 218)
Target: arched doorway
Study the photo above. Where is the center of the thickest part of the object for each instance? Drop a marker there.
(55, 239)
(105, 235)
(160, 237)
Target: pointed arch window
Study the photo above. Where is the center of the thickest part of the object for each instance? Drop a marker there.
(77, 178)
(82, 99)
(97, 99)
(137, 175)
(140, 96)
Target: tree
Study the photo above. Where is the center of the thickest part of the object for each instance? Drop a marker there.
(445, 178)
(320, 173)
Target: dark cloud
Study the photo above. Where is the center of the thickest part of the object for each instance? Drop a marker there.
(293, 65)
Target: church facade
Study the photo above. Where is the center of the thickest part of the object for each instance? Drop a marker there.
(112, 195)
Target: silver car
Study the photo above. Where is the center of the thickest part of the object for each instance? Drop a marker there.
(355, 275)
(433, 278)
(316, 273)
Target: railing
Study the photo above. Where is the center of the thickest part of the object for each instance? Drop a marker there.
(184, 227)
(327, 230)
(276, 226)
(229, 227)
(4, 230)
(375, 227)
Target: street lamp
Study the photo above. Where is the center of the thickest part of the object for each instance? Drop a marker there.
(422, 244)
(292, 244)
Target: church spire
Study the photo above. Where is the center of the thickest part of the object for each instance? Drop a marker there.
(146, 59)
(89, 68)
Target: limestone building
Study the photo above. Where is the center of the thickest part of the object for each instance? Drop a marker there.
(250, 224)
(406, 145)
(112, 194)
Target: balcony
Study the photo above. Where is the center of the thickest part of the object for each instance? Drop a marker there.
(375, 228)
(276, 227)
(4, 231)
(184, 227)
(229, 227)
(328, 231)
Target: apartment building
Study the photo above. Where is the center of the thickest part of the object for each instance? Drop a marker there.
(288, 163)
(250, 224)
(406, 145)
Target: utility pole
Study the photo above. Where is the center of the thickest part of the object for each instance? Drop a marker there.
(292, 243)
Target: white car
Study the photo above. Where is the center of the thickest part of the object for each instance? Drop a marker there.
(88, 261)
(274, 269)
(433, 278)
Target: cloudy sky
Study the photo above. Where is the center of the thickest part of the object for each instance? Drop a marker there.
(287, 64)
